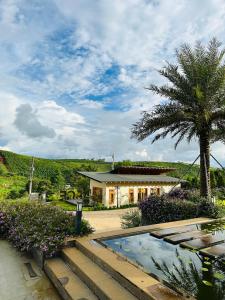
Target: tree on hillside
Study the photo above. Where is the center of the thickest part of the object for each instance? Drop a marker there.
(195, 105)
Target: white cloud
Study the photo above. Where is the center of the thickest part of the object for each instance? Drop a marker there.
(137, 36)
(91, 104)
(142, 153)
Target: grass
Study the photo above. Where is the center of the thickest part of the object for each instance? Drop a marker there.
(70, 207)
(11, 182)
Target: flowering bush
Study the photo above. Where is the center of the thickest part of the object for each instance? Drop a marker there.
(34, 225)
(179, 193)
(162, 209)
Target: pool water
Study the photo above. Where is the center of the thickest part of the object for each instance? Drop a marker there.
(185, 270)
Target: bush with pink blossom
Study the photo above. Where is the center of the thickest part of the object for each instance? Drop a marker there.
(31, 225)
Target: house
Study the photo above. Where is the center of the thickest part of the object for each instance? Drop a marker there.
(129, 185)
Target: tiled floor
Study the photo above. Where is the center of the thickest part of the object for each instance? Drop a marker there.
(15, 281)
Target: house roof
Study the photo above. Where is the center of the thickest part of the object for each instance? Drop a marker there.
(110, 177)
(142, 170)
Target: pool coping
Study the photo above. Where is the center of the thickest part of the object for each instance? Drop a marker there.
(132, 277)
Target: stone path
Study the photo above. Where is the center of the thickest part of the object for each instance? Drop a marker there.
(105, 220)
(203, 242)
(214, 251)
(186, 236)
(16, 282)
(169, 231)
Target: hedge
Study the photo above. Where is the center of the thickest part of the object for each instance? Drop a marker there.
(165, 209)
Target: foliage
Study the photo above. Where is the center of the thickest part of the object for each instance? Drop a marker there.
(16, 194)
(33, 225)
(8, 183)
(3, 169)
(131, 218)
(161, 209)
(179, 193)
(208, 209)
(185, 277)
(219, 193)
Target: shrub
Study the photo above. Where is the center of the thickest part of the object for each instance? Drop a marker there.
(162, 209)
(131, 218)
(179, 193)
(208, 209)
(34, 225)
(16, 194)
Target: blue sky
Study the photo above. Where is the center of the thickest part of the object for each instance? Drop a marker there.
(73, 73)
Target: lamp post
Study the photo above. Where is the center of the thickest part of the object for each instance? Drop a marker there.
(79, 216)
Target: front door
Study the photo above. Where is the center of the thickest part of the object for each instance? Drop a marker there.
(112, 197)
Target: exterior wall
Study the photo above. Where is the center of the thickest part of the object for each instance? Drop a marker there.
(102, 185)
(123, 191)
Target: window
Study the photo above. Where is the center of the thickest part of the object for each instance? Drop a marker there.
(131, 196)
(142, 193)
(111, 197)
(155, 191)
(97, 194)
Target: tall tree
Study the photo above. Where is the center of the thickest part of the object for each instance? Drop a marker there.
(194, 105)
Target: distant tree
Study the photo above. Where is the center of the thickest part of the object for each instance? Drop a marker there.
(58, 181)
(82, 186)
(220, 178)
(195, 106)
(44, 186)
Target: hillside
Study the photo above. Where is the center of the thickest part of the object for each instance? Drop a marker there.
(51, 175)
(46, 168)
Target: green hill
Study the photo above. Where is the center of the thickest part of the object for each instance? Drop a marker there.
(46, 168)
(52, 174)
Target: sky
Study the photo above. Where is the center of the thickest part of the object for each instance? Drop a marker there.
(73, 73)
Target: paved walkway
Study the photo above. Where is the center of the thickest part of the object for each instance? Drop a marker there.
(105, 220)
(15, 280)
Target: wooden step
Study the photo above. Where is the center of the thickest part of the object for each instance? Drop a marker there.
(99, 281)
(214, 251)
(182, 237)
(68, 285)
(203, 242)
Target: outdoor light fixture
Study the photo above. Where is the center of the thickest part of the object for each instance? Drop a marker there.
(79, 216)
(79, 205)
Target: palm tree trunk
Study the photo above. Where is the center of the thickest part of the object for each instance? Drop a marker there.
(205, 190)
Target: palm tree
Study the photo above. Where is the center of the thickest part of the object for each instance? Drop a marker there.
(194, 105)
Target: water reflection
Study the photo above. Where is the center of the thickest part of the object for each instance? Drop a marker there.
(180, 268)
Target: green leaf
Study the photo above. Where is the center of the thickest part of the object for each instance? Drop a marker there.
(204, 269)
(219, 276)
(207, 263)
(207, 283)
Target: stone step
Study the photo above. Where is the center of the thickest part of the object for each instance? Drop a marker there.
(99, 281)
(139, 283)
(68, 285)
(214, 251)
(203, 242)
(182, 237)
(174, 230)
